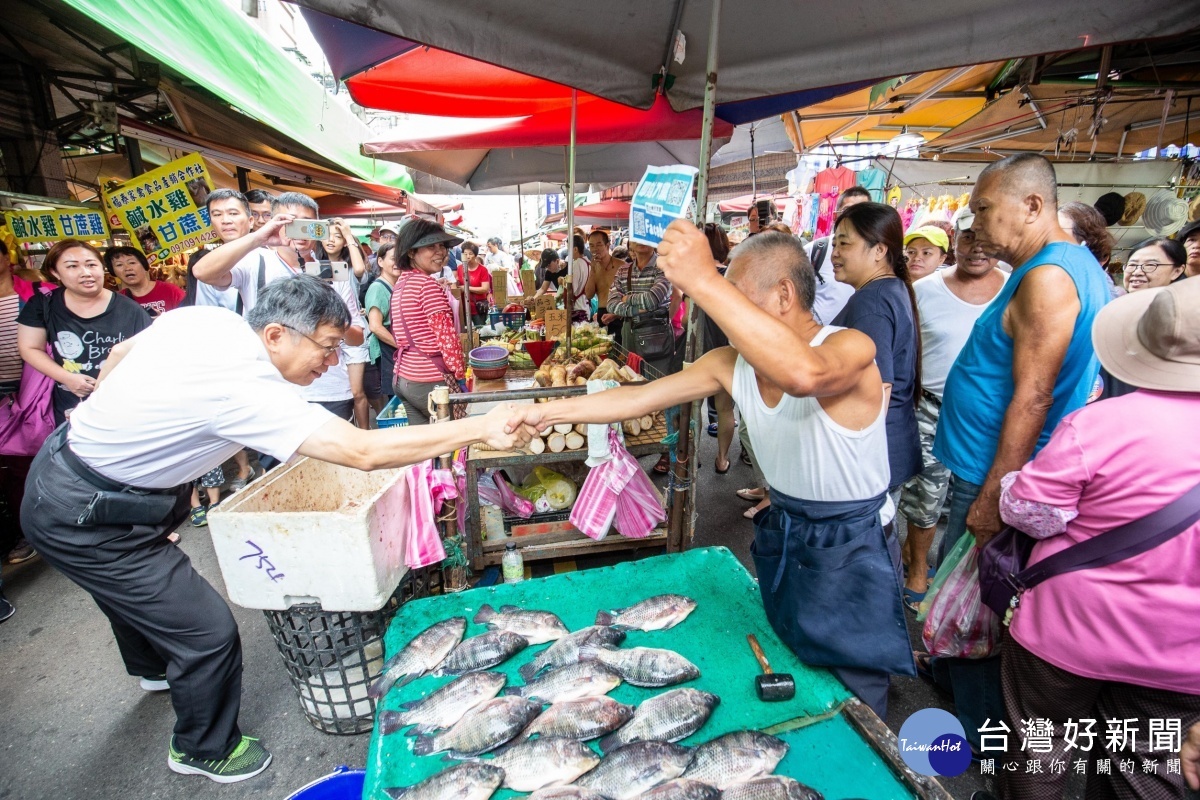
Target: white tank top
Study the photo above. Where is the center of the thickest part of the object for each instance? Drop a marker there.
(804, 453)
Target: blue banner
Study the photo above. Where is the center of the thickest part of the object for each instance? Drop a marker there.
(662, 195)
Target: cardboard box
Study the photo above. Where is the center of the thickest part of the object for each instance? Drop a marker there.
(500, 287)
(527, 282)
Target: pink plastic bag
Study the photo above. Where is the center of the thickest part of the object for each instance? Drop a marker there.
(958, 624)
(427, 487)
(617, 493)
(27, 420)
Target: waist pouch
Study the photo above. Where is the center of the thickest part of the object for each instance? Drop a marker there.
(128, 508)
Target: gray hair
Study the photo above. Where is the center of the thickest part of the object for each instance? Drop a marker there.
(780, 256)
(294, 199)
(302, 303)
(1024, 174)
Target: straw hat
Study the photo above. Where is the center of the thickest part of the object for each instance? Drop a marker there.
(1149, 338)
(1165, 213)
(1135, 204)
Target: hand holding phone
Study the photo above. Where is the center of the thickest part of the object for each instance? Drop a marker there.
(307, 229)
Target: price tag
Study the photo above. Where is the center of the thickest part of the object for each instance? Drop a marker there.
(540, 305)
(527, 282)
(556, 322)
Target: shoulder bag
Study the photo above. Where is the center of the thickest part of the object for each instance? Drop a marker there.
(652, 336)
(1003, 576)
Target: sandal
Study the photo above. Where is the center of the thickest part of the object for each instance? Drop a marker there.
(664, 464)
(912, 599)
(720, 471)
(751, 495)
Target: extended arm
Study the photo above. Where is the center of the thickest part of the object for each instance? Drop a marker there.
(339, 442)
(215, 266)
(1041, 318)
(776, 351)
(357, 262)
(711, 372)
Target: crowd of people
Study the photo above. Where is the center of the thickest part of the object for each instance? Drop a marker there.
(988, 371)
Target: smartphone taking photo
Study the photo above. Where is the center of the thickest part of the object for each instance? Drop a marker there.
(307, 229)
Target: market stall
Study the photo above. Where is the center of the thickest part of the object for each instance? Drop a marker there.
(833, 744)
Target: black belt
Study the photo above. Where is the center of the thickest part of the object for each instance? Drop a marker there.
(86, 473)
(931, 397)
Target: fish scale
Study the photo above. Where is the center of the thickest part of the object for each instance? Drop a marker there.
(771, 787)
(426, 650)
(736, 757)
(682, 789)
(656, 613)
(635, 768)
(551, 761)
(460, 782)
(482, 652)
(481, 729)
(582, 719)
(666, 717)
(566, 650)
(445, 706)
(586, 679)
(536, 626)
(643, 666)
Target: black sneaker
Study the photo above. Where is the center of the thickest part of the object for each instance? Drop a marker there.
(6, 608)
(21, 553)
(247, 760)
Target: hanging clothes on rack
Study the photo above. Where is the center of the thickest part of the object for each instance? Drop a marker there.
(893, 197)
(872, 180)
(839, 177)
(827, 212)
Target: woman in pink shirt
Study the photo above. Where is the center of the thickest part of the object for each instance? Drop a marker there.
(1120, 642)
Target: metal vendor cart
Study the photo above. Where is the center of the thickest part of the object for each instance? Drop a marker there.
(551, 535)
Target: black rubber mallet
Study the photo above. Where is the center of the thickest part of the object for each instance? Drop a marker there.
(770, 686)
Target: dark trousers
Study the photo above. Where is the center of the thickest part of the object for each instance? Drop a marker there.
(1036, 689)
(166, 618)
(415, 397)
(342, 409)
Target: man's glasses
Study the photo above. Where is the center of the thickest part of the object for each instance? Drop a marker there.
(329, 351)
(1147, 267)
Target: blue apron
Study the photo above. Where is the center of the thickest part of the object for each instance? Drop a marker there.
(830, 583)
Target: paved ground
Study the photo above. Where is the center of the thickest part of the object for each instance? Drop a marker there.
(73, 725)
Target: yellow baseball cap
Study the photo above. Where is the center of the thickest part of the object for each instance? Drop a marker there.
(935, 235)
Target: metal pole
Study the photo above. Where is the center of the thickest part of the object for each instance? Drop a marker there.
(521, 233)
(685, 462)
(570, 211)
(753, 172)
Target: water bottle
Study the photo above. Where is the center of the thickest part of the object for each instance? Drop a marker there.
(512, 565)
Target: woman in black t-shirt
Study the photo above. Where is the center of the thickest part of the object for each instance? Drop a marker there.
(81, 320)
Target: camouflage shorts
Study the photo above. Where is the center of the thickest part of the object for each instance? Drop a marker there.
(923, 495)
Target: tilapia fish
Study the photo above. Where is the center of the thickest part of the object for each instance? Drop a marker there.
(585, 679)
(481, 729)
(534, 765)
(581, 719)
(736, 757)
(482, 652)
(536, 626)
(653, 614)
(642, 666)
(566, 793)
(427, 649)
(635, 768)
(460, 782)
(566, 650)
(771, 787)
(444, 707)
(681, 789)
(666, 717)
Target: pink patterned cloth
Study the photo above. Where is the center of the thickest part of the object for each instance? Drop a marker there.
(1039, 520)
(428, 488)
(617, 491)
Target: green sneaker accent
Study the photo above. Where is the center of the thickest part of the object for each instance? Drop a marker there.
(199, 517)
(248, 759)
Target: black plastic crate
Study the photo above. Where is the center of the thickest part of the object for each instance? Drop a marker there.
(332, 657)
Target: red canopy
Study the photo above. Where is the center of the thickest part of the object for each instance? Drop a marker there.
(741, 205)
(598, 122)
(605, 210)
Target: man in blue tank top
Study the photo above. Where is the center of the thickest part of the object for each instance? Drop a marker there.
(1028, 363)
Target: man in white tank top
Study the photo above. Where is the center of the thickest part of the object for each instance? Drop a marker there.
(815, 406)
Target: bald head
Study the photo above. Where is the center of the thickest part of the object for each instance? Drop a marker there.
(762, 262)
(1022, 175)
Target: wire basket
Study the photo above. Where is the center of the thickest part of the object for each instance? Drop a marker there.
(332, 657)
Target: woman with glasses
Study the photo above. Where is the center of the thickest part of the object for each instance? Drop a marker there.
(1153, 264)
(428, 350)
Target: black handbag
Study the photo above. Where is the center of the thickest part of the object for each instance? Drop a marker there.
(1003, 576)
(652, 334)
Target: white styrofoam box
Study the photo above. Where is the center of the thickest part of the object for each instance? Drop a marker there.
(314, 532)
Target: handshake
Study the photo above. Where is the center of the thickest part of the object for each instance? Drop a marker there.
(510, 426)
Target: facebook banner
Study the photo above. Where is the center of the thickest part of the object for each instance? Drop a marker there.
(663, 194)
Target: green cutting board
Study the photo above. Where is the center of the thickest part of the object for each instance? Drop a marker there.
(713, 637)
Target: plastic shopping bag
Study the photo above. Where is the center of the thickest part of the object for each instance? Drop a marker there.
(943, 572)
(424, 544)
(958, 624)
(548, 490)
